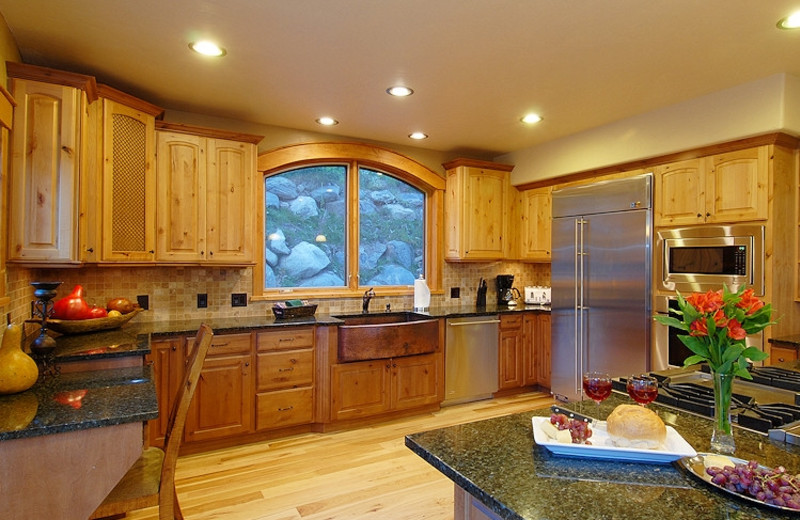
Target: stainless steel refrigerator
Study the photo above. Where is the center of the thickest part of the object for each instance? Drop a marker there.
(601, 281)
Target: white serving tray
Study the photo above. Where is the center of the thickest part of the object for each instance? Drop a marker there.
(674, 448)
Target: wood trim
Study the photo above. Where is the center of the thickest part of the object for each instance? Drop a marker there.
(47, 75)
(213, 133)
(107, 92)
(287, 156)
(7, 105)
(476, 163)
(777, 138)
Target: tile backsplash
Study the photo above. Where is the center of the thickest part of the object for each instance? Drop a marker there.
(172, 291)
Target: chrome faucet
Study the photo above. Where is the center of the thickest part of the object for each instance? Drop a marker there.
(367, 297)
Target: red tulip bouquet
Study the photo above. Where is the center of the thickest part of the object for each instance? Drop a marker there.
(716, 325)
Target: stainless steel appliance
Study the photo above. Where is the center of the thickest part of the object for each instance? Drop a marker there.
(601, 280)
(769, 404)
(470, 359)
(696, 259)
(505, 289)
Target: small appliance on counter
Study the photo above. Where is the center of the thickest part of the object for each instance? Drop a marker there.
(507, 294)
(537, 294)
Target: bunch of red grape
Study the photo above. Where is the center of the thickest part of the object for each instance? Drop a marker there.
(579, 430)
(769, 485)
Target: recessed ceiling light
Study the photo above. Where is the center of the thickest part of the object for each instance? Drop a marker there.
(418, 135)
(531, 119)
(399, 91)
(327, 121)
(207, 48)
(790, 22)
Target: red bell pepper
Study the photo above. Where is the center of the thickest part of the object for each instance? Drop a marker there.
(72, 306)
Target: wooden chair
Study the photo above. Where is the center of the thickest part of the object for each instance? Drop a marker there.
(151, 480)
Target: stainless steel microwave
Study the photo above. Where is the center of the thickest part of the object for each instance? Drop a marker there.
(702, 258)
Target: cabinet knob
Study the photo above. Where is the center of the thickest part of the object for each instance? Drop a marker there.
(152, 252)
(91, 250)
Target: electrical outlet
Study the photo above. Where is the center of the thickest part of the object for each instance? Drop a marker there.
(455, 292)
(239, 300)
(144, 301)
(202, 301)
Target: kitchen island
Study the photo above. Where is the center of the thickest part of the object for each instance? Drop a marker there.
(499, 472)
(65, 442)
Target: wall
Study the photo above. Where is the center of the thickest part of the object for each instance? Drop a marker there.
(761, 106)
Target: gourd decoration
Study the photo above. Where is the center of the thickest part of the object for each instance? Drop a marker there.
(18, 371)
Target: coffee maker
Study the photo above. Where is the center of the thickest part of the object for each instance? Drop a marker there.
(505, 289)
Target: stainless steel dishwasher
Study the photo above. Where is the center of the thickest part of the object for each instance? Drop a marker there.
(470, 359)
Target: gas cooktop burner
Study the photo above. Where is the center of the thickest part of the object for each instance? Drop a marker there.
(777, 377)
(745, 411)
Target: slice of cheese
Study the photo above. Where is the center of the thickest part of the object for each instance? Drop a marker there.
(549, 429)
(717, 461)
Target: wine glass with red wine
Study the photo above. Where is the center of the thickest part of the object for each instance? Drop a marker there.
(597, 387)
(642, 388)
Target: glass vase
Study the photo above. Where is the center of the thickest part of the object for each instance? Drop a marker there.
(722, 437)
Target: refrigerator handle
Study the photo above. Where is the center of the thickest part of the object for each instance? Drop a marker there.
(578, 299)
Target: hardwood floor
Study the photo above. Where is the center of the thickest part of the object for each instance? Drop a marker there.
(363, 473)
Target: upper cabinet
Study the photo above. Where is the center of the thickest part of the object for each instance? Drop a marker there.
(47, 153)
(535, 215)
(728, 187)
(477, 207)
(205, 193)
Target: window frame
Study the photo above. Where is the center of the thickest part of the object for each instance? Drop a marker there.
(354, 155)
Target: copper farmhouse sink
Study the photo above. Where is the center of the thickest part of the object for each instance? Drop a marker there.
(379, 336)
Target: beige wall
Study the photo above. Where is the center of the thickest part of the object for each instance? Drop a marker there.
(762, 106)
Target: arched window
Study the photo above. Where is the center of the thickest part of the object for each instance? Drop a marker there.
(340, 218)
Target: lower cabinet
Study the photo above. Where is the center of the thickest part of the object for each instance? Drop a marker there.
(524, 350)
(367, 388)
(223, 401)
(284, 378)
(168, 358)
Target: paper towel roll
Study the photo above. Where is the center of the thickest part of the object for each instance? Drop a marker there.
(422, 295)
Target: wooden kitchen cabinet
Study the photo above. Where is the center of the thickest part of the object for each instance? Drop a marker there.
(530, 359)
(223, 401)
(367, 388)
(477, 208)
(284, 378)
(536, 223)
(205, 193)
(729, 187)
(511, 351)
(47, 153)
(541, 342)
(168, 357)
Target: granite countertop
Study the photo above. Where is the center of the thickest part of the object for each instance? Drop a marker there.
(497, 461)
(793, 340)
(79, 401)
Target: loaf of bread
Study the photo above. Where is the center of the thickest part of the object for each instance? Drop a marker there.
(633, 426)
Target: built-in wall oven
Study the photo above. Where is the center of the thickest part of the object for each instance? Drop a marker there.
(699, 259)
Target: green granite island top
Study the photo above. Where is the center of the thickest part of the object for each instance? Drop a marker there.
(497, 461)
(79, 401)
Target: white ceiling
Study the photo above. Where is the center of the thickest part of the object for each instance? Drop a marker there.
(476, 65)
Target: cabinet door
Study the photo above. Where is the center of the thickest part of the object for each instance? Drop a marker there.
(129, 188)
(416, 381)
(680, 193)
(530, 372)
(223, 401)
(736, 185)
(542, 342)
(486, 197)
(43, 196)
(181, 230)
(360, 389)
(536, 215)
(510, 359)
(231, 201)
(167, 357)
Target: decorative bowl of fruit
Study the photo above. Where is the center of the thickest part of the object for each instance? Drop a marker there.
(73, 315)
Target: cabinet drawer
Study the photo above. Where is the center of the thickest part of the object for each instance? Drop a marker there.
(284, 408)
(510, 321)
(225, 344)
(782, 354)
(286, 369)
(285, 339)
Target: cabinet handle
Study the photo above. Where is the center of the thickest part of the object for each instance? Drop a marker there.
(91, 250)
(174, 348)
(211, 253)
(217, 345)
(781, 360)
(708, 214)
(281, 340)
(152, 252)
(202, 253)
(286, 369)
(247, 363)
(286, 409)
